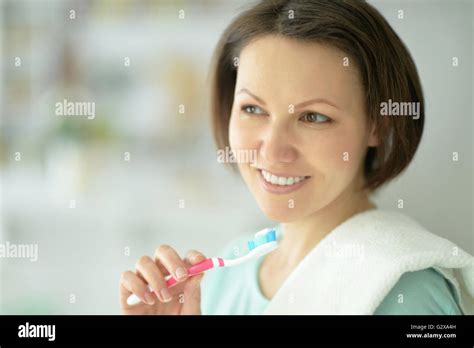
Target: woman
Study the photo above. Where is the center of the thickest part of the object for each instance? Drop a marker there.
(302, 85)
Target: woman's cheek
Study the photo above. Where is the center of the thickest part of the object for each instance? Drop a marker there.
(351, 156)
(232, 131)
(336, 155)
(235, 134)
(242, 136)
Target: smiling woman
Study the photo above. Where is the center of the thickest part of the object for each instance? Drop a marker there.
(346, 63)
(306, 96)
(311, 141)
(299, 84)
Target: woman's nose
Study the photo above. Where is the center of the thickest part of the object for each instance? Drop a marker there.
(275, 147)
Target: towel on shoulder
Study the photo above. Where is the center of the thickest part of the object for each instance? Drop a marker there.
(356, 265)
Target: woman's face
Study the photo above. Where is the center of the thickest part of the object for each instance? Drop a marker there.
(300, 108)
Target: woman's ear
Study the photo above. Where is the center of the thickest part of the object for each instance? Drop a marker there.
(373, 137)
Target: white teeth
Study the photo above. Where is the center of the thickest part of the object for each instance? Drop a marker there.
(274, 179)
(281, 180)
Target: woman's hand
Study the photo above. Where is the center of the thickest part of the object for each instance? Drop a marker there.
(183, 298)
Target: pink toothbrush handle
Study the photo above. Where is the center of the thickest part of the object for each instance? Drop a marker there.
(199, 268)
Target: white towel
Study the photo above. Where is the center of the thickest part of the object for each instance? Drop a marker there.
(356, 265)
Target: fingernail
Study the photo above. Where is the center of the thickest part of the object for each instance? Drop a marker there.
(180, 272)
(149, 299)
(165, 294)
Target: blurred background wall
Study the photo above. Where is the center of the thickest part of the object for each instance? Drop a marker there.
(95, 194)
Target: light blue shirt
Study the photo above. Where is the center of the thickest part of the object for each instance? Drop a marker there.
(236, 290)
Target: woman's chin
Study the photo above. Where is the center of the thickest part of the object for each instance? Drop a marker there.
(280, 212)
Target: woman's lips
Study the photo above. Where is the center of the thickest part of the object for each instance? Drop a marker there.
(279, 189)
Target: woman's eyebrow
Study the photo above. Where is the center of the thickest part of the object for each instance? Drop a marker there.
(297, 106)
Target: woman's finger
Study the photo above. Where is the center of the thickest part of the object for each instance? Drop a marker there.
(192, 289)
(170, 259)
(193, 257)
(152, 275)
(192, 295)
(130, 283)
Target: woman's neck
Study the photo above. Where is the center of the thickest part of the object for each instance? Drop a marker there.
(301, 236)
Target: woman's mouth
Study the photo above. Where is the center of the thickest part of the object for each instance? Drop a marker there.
(280, 184)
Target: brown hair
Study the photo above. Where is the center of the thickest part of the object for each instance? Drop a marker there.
(386, 68)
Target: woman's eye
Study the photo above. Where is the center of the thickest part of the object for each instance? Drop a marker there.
(252, 109)
(314, 117)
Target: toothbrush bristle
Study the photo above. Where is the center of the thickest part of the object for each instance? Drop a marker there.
(268, 237)
(251, 245)
(271, 235)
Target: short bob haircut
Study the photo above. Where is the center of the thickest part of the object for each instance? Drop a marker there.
(386, 69)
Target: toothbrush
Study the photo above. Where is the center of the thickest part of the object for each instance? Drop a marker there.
(264, 242)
